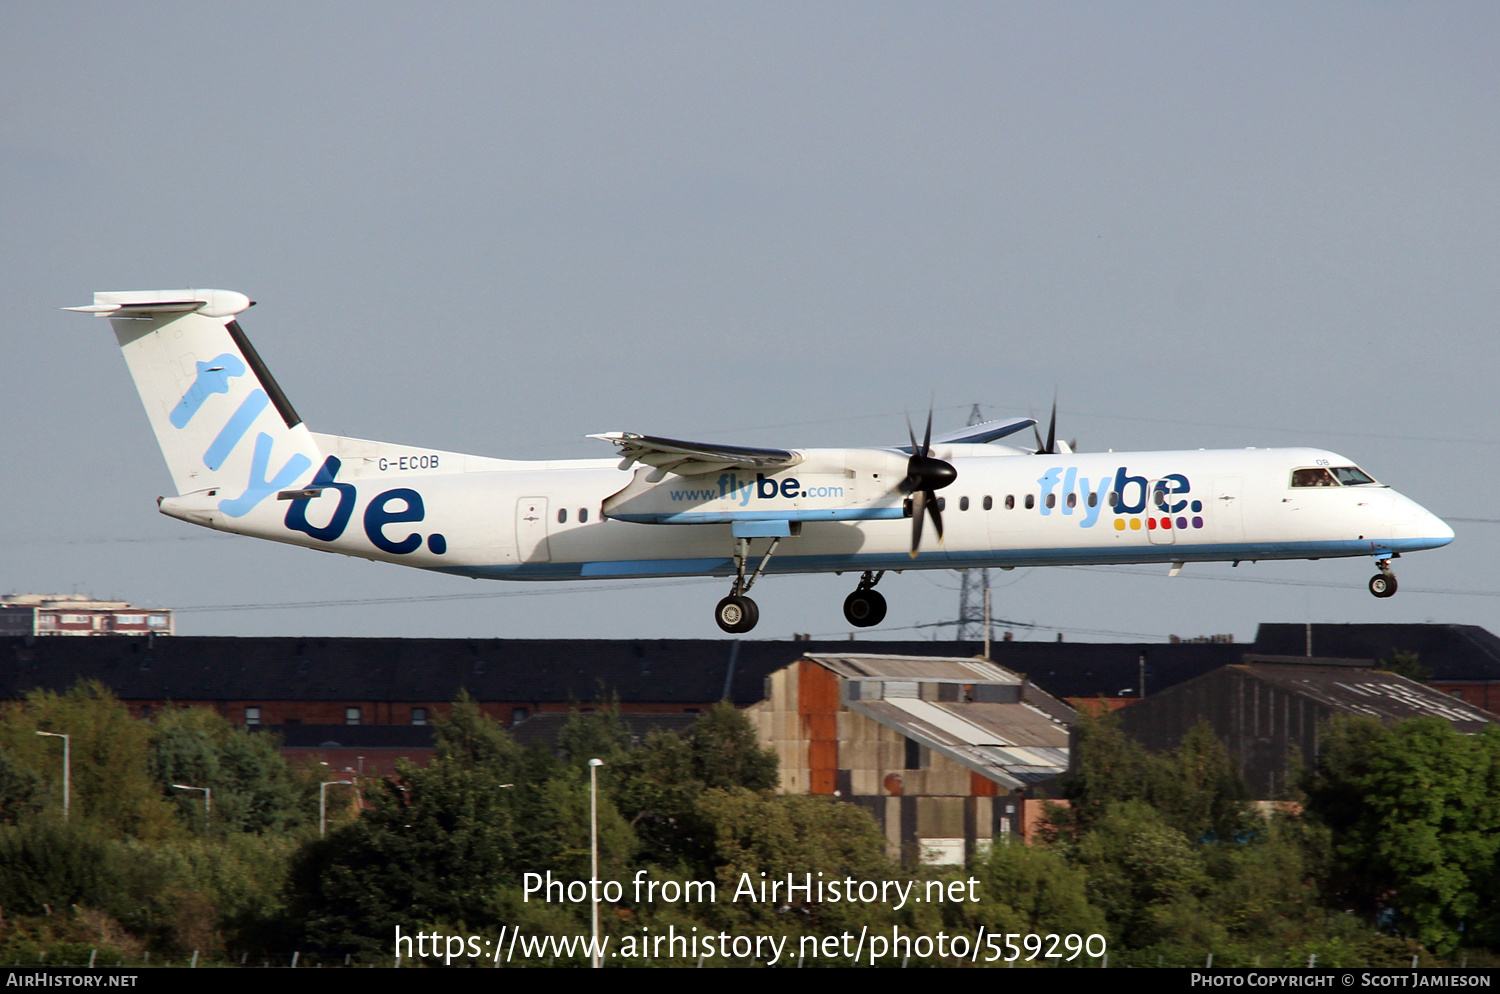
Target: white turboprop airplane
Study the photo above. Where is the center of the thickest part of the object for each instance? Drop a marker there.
(242, 461)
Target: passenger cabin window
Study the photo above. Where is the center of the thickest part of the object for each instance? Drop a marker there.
(989, 502)
(562, 515)
(1072, 500)
(963, 503)
(1113, 500)
(1030, 501)
(1093, 499)
(1052, 500)
(583, 515)
(942, 504)
(1010, 502)
(1351, 476)
(1318, 477)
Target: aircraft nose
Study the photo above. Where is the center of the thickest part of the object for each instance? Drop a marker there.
(1436, 529)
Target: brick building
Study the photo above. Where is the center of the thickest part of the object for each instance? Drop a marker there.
(77, 614)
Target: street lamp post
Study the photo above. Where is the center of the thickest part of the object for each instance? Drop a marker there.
(594, 765)
(323, 804)
(67, 770)
(208, 798)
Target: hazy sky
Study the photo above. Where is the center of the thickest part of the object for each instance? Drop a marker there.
(496, 228)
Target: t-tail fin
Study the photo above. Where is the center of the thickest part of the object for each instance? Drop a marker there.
(222, 422)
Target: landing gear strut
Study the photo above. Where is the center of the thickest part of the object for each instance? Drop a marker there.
(866, 606)
(737, 613)
(1383, 584)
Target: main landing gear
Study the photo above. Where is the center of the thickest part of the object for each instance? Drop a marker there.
(1383, 584)
(866, 606)
(737, 613)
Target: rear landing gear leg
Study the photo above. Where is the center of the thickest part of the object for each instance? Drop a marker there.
(1383, 584)
(737, 613)
(865, 607)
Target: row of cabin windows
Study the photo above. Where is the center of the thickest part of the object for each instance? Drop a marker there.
(583, 516)
(1159, 497)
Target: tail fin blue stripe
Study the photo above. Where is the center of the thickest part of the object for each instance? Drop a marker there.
(213, 377)
(235, 429)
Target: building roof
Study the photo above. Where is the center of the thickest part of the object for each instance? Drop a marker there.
(925, 669)
(193, 668)
(1448, 652)
(1370, 692)
(1007, 729)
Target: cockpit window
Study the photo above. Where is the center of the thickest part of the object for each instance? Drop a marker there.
(1313, 478)
(1351, 476)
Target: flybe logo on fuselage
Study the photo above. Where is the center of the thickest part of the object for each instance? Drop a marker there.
(1063, 490)
(732, 488)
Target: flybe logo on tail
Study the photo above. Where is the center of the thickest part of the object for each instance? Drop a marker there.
(1065, 492)
(213, 377)
(392, 507)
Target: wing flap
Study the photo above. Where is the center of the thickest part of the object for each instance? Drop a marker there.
(694, 458)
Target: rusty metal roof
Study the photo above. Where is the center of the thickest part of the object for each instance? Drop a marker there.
(926, 669)
(1014, 742)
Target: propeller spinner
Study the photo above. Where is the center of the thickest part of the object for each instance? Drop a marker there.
(924, 475)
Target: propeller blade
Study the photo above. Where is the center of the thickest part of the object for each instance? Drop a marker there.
(1052, 429)
(927, 439)
(932, 509)
(918, 504)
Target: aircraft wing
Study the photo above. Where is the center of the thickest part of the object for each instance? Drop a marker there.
(980, 433)
(693, 458)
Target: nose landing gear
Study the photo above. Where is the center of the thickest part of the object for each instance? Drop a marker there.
(866, 606)
(1383, 584)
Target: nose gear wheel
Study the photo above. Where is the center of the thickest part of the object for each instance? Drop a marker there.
(1383, 584)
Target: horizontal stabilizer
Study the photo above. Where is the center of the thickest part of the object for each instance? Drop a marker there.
(145, 304)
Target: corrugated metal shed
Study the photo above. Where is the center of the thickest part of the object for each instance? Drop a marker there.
(977, 714)
(1264, 708)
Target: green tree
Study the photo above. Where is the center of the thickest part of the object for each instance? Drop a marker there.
(727, 752)
(1146, 877)
(1033, 889)
(254, 789)
(760, 836)
(1415, 814)
(1406, 664)
(1197, 789)
(20, 788)
(111, 784)
(467, 736)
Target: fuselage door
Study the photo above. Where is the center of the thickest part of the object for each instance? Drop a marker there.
(1161, 528)
(531, 530)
